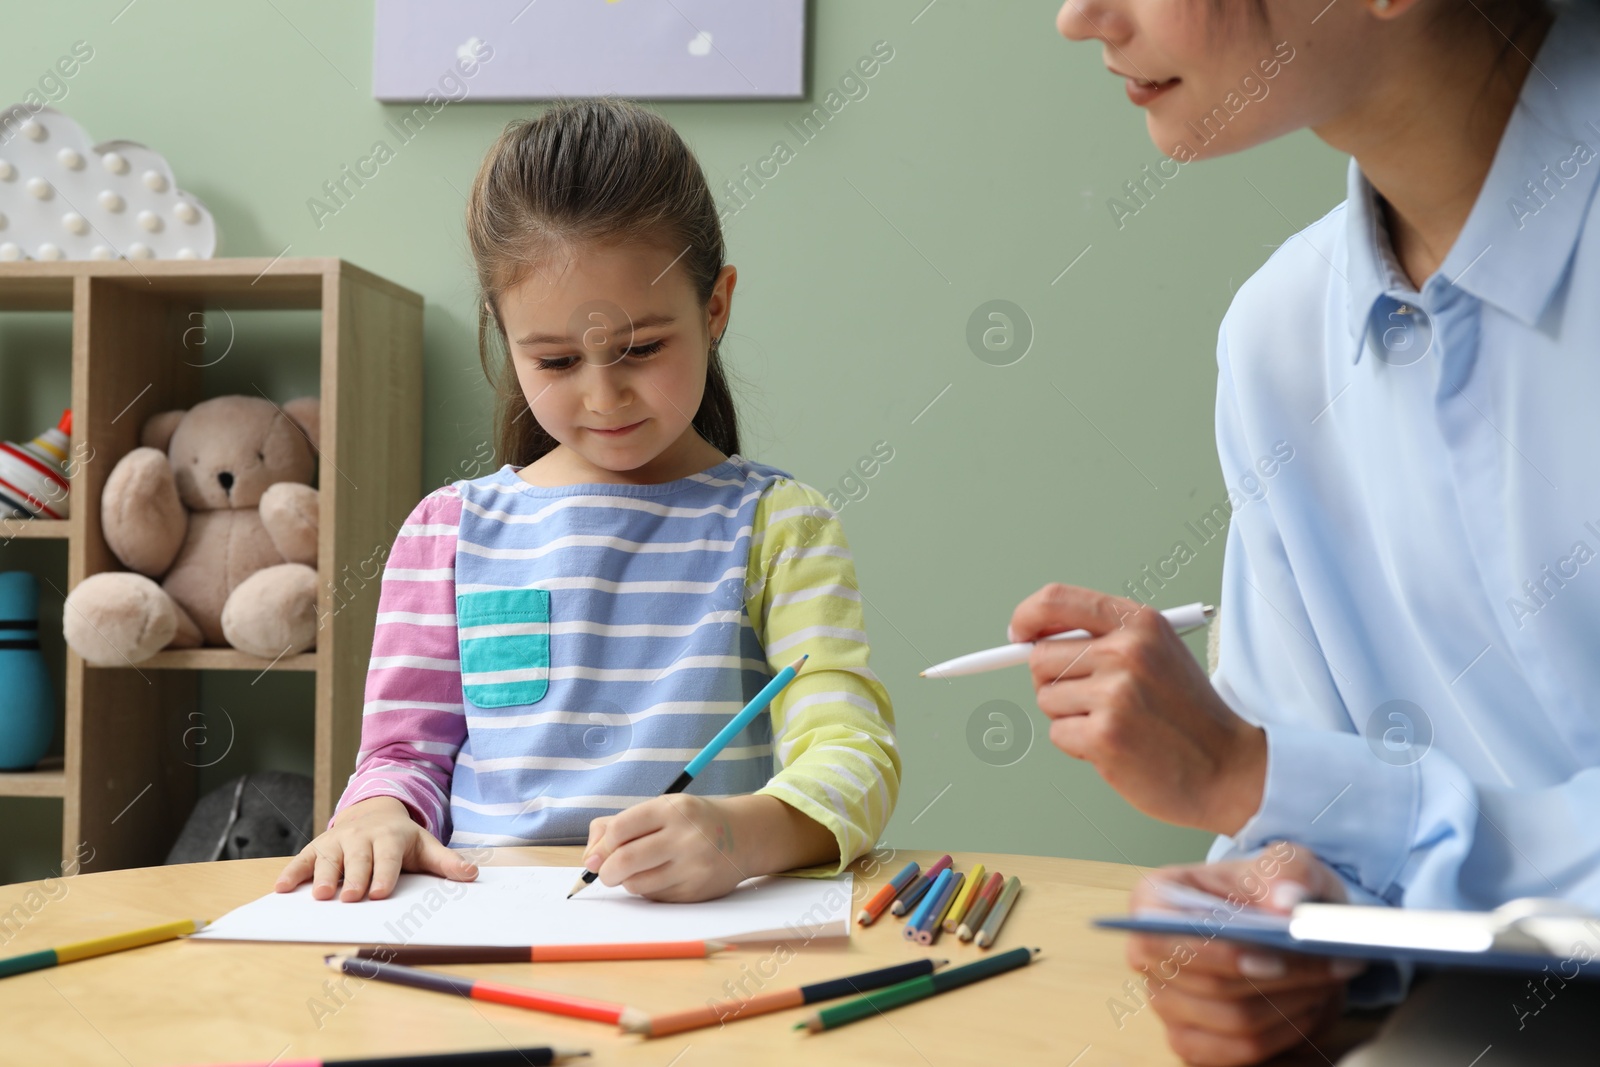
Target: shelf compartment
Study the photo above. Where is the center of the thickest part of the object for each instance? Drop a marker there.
(34, 528)
(48, 782)
(226, 659)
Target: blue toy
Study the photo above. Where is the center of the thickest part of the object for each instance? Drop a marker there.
(27, 701)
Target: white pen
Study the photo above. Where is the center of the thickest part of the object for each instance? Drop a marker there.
(1188, 617)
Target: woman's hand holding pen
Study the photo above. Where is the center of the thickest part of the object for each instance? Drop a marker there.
(1133, 701)
(682, 847)
(368, 846)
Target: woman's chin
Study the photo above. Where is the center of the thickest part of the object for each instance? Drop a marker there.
(1183, 141)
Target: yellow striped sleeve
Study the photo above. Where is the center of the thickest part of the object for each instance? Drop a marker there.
(833, 726)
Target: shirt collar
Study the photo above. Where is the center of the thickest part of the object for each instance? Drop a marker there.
(1515, 248)
(1371, 271)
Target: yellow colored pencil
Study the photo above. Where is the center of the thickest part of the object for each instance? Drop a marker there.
(97, 946)
(958, 907)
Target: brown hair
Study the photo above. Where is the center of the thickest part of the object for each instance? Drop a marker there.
(1507, 19)
(581, 172)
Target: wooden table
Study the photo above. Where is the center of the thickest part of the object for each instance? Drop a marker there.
(209, 1002)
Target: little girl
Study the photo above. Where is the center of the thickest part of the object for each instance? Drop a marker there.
(557, 639)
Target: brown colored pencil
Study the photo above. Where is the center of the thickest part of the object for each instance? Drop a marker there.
(998, 913)
(972, 921)
(436, 954)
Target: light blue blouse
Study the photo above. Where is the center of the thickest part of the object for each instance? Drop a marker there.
(1411, 600)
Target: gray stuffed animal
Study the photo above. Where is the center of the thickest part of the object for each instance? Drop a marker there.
(266, 813)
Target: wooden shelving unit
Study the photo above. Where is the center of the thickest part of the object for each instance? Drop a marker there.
(125, 786)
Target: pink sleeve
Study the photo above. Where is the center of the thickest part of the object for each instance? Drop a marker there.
(412, 723)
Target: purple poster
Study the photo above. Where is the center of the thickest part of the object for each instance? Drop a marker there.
(544, 49)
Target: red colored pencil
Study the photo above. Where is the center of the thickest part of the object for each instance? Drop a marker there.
(972, 921)
(496, 992)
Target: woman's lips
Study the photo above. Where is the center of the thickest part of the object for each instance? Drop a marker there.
(1142, 92)
(618, 431)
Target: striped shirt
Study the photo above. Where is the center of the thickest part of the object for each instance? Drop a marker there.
(547, 655)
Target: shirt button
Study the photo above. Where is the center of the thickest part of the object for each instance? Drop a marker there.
(1400, 334)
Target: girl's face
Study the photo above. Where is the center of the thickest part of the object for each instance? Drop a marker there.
(1218, 76)
(610, 345)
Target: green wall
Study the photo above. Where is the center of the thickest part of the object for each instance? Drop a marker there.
(978, 167)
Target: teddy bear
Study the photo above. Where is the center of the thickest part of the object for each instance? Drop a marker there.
(217, 506)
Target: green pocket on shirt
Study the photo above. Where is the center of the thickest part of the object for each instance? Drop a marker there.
(505, 646)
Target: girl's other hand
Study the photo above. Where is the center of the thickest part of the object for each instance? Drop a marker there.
(369, 844)
(678, 847)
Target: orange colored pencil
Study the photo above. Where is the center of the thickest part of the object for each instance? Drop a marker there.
(884, 896)
(718, 1013)
(436, 954)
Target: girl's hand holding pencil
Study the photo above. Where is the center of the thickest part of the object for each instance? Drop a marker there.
(368, 846)
(681, 847)
(678, 847)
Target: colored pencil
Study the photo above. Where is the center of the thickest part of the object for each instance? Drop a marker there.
(928, 932)
(973, 920)
(909, 898)
(97, 946)
(436, 954)
(881, 899)
(929, 898)
(917, 989)
(492, 1057)
(933, 905)
(757, 705)
(638, 1022)
(963, 900)
(998, 913)
(478, 989)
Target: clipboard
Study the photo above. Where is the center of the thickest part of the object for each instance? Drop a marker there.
(1526, 935)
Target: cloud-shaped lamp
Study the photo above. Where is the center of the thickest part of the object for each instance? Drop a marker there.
(64, 198)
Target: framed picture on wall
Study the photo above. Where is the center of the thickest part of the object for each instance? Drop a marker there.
(546, 49)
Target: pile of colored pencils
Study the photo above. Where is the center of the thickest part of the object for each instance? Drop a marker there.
(970, 906)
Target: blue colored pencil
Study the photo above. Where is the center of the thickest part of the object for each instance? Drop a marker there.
(757, 705)
(929, 899)
(928, 932)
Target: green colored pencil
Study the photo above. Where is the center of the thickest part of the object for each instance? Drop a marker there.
(916, 989)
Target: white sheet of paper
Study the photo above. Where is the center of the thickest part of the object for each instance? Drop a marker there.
(528, 906)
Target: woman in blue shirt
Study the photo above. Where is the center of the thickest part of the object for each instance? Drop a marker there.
(1407, 695)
